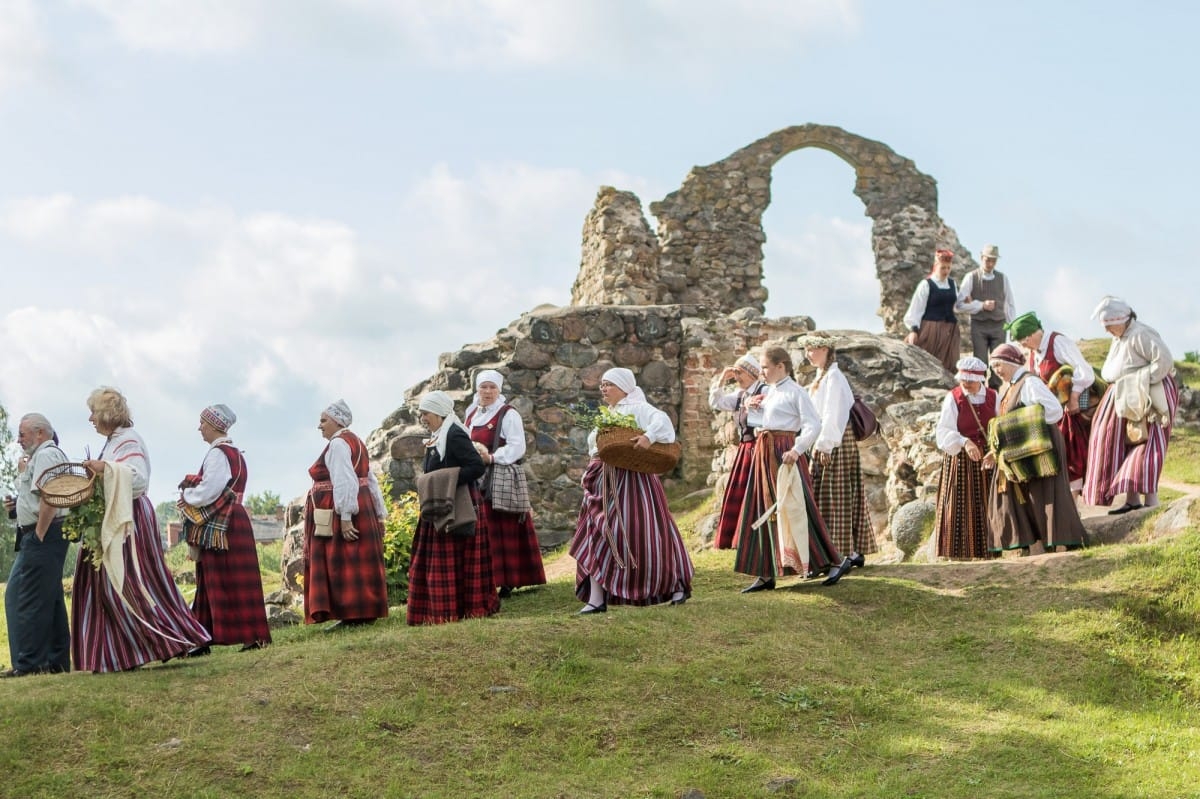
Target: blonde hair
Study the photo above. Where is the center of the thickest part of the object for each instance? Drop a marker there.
(109, 407)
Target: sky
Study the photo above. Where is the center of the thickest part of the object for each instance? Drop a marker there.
(278, 203)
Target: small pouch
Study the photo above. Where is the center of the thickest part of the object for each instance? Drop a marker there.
(323, 522)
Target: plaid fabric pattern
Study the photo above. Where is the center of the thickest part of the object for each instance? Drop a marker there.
(149, 621)
(515, 552)
(731, 501)
(839, 492)
(627, 539)
(450, 577)
(961, 517)
(1021, 442)
(1114, 467)
(1039, 510)
(229, 596)
(344, 579)
(761, 553)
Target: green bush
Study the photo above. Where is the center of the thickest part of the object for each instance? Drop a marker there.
(399, 527)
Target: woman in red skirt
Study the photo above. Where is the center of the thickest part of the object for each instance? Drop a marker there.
(344, 575)
(499, 435)
(748, 376)
(229, 596)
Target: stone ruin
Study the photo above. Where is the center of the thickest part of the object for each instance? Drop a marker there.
(678, 303)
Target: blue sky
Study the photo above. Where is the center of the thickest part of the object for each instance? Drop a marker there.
(275, 203)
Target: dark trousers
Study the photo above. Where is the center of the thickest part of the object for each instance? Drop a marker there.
(985, 337)
(36, 611)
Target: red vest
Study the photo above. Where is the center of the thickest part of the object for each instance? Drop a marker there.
(967, 426)
(1049, 365)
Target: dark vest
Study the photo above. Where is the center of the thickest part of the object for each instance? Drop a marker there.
(967, 426)
(989, 290)
(940, 306)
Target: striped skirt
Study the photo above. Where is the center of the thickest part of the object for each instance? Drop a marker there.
(763, 552)
(229, 595)
(516, 555)
(1114, 466)
(450, 576)
(149, 620)
(842, 498)
(731, 501)
(627, 539)
(961, 518)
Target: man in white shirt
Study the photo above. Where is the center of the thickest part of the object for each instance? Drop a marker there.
(987, 296)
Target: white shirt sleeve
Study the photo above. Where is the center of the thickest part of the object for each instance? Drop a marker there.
(962, 304)
(810, 423)
(216, 475)
(719, 399)
(376, 495)
(656, 423)
(1010, 304)
(345, 481)
(1082, 373)
(835, 399)
(916, 308)
(1035, 392)
(949, 440)
(513, 430)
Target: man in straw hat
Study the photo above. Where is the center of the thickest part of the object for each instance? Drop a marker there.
(987, 296)
(38, 637)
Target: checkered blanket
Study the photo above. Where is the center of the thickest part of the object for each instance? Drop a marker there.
(1020, 440)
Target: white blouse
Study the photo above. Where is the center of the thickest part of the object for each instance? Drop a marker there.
(1067, 353)
(345, 480)
(215, 475)
(786, 406)
(126, 446)
(512, 428)
(1140, 347)
(832, 400)
(655, 423)
(949, 440)
(1034, 392)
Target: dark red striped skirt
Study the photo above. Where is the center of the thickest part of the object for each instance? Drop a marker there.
(961, 522)
(731, 501)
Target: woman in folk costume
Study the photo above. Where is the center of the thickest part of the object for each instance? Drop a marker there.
(344, 573)
(1039, 507)
(627, 547)
(836, 467)
(777, 546)
(129, 611)
(450, 576)
(499, 434)
(931, 318)
(961, 518)
(748, 375)
(1058, 361)
(1141, 377)
(229, 595)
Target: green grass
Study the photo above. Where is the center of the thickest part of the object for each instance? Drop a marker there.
(1183, 456)
(1076, 677)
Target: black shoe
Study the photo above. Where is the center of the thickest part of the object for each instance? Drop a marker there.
(760, 585)
(253, 646)
(589, 609)
(15, 673)
(856, 559)
(838, 572)
(198, 652)
(1128, 506)
(505, 592)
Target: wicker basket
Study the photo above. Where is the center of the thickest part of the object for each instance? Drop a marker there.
(615, 447)
(67, 485)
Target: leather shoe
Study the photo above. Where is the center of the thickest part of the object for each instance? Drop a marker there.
(15, 673)
(760, 585)
(253, 646)
(505, 592)
(199, 652)
(838, 572)
(858, 560)
(589, 609)
(1128, 506)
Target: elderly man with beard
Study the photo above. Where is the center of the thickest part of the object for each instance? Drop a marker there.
(38, 637)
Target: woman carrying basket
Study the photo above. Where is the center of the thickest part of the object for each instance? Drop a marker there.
(627, 547)
(229, 596)
(128, 611)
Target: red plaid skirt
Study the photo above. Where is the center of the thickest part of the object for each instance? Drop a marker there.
(516, 555)
(229, 596)
(450, 577)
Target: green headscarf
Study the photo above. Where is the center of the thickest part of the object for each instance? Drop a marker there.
(1024, 325)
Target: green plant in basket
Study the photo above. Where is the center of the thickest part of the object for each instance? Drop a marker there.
(82, 524)
(608, 418)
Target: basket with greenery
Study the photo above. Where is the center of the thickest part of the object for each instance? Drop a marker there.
(82, 524)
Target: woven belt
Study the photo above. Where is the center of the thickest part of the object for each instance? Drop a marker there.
(325, 485)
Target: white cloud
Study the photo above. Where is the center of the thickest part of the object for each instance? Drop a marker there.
(184, 26)
(22, 43)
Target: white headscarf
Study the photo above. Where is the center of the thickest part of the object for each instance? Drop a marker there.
(623, 379)
(340, 412)
(1112, 311)
(482, 415)
(440, 403)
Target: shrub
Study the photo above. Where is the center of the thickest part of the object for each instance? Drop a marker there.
(399, 527)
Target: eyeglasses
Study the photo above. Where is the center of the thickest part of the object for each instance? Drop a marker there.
(606, 384)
